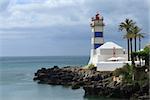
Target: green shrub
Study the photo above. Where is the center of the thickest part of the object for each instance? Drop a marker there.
(91, 66)
(126, 71)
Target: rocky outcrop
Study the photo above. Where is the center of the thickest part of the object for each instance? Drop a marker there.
(93, 82)
(118, 90)
(107, 90)
(69, 76)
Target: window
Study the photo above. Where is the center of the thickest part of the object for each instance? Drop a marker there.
(96, 46)
(98, 34)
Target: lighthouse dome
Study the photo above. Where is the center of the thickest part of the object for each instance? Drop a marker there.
(110, 45)
(109, 49)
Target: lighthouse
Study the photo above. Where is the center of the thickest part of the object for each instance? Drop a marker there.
(105, 56)
(97, 27)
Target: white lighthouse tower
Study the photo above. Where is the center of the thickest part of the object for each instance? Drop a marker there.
(97, 39)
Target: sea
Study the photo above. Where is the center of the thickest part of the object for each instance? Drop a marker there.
(16, 79)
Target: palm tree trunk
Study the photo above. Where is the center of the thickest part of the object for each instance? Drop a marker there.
(139, 43)
(135, 44)
(135, 47)
(132, 59)
(131, 47)
(140, 60)
(128, 49)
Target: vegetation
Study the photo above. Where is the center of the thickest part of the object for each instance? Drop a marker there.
(140, 36)
(126, 71)
(132, 31)
(143, 55)
(91, 66)
(139, 73)
(126, 26)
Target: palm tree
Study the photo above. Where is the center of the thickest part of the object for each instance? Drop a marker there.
(135, 30)
(140, 35)
(126, 25)
(130, 37)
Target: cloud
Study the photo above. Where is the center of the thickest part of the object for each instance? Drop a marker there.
(4, 4)
(39, 14)
(43, 13)
(65, 22)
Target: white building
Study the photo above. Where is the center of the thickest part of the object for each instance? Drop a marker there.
(110, 51)
(106, 56)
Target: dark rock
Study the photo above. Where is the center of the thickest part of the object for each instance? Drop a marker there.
(93, 82)
(145, 88)
(75, 86)
(145, 97)
(136, 87)
(56, 67)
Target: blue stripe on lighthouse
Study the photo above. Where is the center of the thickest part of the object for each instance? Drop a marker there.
(97, 45)
(98, 34)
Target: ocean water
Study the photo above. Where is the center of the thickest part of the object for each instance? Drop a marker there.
(16, 74)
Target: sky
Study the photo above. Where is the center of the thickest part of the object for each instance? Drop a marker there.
(62, 27)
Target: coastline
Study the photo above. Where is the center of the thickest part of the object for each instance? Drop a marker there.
(94, 83)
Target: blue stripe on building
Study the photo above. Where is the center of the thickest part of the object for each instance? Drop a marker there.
(97, 45)
(98, 34)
